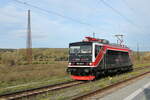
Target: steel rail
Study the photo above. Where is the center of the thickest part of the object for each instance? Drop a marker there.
(102, 90)
(39, 90)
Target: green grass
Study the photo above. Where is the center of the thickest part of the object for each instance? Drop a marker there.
(33, 84)
(141, 65)
(38, 75)
(68, 93)
(23, 74)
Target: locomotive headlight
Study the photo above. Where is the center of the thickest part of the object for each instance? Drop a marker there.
(69, 63)
(90, 64)
(86, 70)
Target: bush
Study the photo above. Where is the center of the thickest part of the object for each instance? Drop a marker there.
(8, 58)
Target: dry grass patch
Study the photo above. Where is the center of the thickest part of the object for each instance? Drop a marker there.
(29, 73)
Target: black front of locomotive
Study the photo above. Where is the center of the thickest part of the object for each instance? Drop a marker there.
(80, 58)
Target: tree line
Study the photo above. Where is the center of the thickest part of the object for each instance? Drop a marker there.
(12, 57)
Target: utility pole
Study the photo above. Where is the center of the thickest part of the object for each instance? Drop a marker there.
(138, 53)
(29, 41)
(119, 39)
(94, 35)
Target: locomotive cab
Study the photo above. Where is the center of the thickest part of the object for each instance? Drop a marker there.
(80, 58)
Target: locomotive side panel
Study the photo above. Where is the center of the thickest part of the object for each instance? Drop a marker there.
(115, 60)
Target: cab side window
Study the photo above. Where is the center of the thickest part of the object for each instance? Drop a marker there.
(97, 49)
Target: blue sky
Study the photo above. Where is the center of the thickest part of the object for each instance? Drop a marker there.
(51, 31)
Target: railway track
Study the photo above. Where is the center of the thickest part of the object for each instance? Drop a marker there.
(40, 90)
(105, 90)
(48, 88)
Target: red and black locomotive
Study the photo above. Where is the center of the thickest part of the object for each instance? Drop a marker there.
(94, 57)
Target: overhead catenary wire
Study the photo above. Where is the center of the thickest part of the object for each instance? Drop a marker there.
(130, 8)
(54, 13)
(120, 14)
(72, 19)
(125, 2)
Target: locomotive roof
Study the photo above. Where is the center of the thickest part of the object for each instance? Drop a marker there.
(90, 40)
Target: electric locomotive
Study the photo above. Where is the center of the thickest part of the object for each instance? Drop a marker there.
(92, 58)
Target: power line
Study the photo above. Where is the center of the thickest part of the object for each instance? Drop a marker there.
(57, 14)
(131, 9)
(116, 11)
(52, 12)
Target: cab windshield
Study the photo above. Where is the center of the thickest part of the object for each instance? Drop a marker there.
(81, 49)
